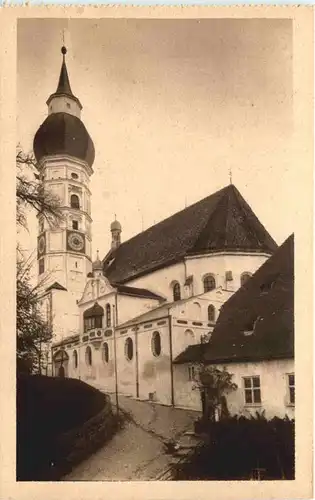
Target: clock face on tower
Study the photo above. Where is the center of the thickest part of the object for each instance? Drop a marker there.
(75, 242)
(41, 244)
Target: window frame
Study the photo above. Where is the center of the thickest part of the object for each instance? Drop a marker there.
(75, 205)
(192, 373)
(88, 357)
(129, 342)
(176, 292)
(252, 390)
(41, 265)
(206, 279)
(290, 387)
(108, 316)
(212, 308)
(75, 359)
(106, 353)
(156, 334)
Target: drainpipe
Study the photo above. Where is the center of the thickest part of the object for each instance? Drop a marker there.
(137, 361)
(171, 357)
(115, 356)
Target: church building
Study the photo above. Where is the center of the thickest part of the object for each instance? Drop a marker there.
(120, 321)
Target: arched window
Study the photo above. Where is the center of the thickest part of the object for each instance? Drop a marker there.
(105, 352)
(88, 356)
(74, 201)
(189, 337)
(245, 277)
(176, 292)
(129, 349)
(156, 343)
(208, 283)
(75, 359)
(211, 313)
(108, 315)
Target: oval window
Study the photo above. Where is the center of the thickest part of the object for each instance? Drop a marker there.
(74, 175)
(156, 343)
(129, 349)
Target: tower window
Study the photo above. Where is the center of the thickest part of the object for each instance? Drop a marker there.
(68, 105)
(176, 292)
(74, 175)
(208, 283)
(75, 224)
(74, 201)
(41, 266)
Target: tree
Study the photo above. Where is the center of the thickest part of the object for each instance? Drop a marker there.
(214, 384)
(31, 193)
(33, 330)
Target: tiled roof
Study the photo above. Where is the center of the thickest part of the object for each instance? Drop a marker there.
(220, 222)
(257, 322)
(137, 292)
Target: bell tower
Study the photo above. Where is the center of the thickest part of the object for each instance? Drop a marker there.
(65, 154)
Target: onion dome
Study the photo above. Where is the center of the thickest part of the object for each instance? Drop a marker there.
(115, 226)
(97, 264)
(63, 134)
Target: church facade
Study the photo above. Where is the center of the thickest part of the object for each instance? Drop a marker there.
(120, 322)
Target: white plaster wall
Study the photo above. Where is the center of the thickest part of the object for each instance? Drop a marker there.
(273, 383)
(160, 281)
(218, 265)
(128, 307)
(64, 104)
(126, 368)
(65, 314)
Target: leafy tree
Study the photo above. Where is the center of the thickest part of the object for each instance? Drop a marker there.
(214, 384)
(33, 331)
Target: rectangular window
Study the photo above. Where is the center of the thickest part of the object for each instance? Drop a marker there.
(291, 387)
(191, 373)
(75, 224)
(252, 390)
(41, 266)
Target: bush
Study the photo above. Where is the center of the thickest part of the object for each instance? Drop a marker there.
(237, 446)
(48, 408)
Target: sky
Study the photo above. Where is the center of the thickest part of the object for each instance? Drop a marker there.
(172, 106)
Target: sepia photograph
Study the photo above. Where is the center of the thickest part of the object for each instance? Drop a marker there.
(156, 220)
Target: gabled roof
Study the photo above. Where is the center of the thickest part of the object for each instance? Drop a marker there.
(137, 292)
(257, 322)
(220, 222)
(55, 286)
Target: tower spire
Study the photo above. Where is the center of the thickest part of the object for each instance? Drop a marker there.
(64, 83)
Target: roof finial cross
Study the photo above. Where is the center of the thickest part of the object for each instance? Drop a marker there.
(230, 175)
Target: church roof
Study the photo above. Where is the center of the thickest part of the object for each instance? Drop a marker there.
(221, 222)
(137, 292)
(257, 322)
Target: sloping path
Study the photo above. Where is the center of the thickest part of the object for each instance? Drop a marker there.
(137, 452)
